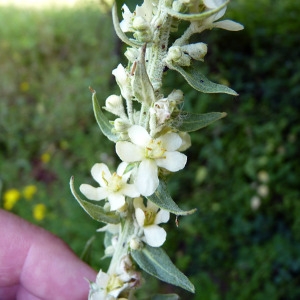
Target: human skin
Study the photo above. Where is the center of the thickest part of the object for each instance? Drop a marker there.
(35, 264)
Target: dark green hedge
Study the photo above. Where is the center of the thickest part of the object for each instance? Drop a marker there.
(231, 249)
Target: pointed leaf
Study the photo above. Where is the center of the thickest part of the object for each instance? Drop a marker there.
(142, 87)
(95, 211)
(195, 17)
(199, 82)
(156, 262)
(102, 121)
(165, 297)
(163, 200)
(188, 122)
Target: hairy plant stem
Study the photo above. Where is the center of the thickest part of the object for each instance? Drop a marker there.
(159, 47)
(126, 231)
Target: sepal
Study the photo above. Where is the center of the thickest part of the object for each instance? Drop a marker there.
(163, 200)
(199, 82)
(188, 122)
(95, 211)
(157, 263)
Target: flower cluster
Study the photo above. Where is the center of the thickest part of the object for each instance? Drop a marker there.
(150, 131)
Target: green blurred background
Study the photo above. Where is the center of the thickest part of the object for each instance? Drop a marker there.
(243, 171)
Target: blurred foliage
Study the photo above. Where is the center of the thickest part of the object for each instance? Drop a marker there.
(242, 173)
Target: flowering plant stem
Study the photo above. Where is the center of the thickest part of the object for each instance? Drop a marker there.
(150, 131)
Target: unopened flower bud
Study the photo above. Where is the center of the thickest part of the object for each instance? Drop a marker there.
(175, 54)
(144, 36)
(196, 51)
(114, 104)
(176, 95)
(136, 244)
(139, 23)
(121, 125)
(132, 54)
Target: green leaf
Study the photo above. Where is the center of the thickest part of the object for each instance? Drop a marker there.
(195, 17)
(188, 122)
(163, 200)
(102, 121)
(95, 211)
(165, 297)
(142, 87)
(122, 36)
(199, 82)
(156, 262)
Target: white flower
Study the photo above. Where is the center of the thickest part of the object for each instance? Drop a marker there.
(144, 11)
(148, 219)
(255, 202)
(114, 186)
(263, 190)
(151, 153)
(225, 24)
(106, 287)
(126, 24)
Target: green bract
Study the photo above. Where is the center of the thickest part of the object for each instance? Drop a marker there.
(102, 121)
(199, 82)
(95, 211)
(188, 122)
(162, 199)
(156, 262)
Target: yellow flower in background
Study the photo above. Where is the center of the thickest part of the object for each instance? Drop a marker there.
(29, 191)
(10, 198)
(24, 86)
(39, 211)
(45, 157)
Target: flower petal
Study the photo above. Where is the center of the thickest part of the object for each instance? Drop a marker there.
(121, 168)
(98, 170)
(102, 279)
(162, 216)
(213, 3)
(140, 216)
(111, 228)
(93, 193)
(173, 161)
(139, 135)
(155, 236)
(229, 25)
(130, 190)
(171, 141)
(146, 179)
(129, 152)
(116, 200)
